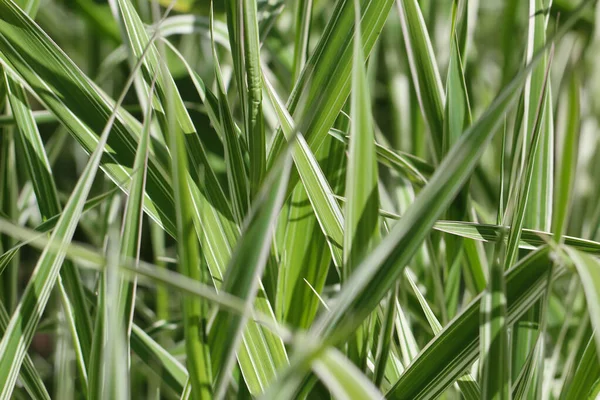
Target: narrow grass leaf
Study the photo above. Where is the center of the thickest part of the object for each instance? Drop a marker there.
(245, 271)
(33, 382)
(424, 70)
(195, 311)
(254, 123)
(302, 22)
(494, 351)
(324, 83)
(361, 217)
(587, 372)
(237, 176)
(342, 378)
(26, 317)
(413, 168)
(467, 383)
(40, 173)
(131, 230)
(530, 238)
(319, 192)
(569, 115)
(588, 268)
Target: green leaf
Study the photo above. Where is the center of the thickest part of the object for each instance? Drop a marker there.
(324, 84)
(530, 238)
(424, 70)
(305, 258)
(494, 351)
(361, 217)
(361, 222)
(452, 351)
(46, 194)
(237, 176)
(243, 277)
(569, 115)
(467, 383)
(195, 311)
(30, 377)
(587, 372)
(319, 192)
(342, 378)
(26, 317)
(588, 268)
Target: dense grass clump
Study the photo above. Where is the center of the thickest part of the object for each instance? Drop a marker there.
(305, 199)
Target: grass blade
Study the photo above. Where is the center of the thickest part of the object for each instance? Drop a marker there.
(47, 198)
(423, 66)
(236, 171)
(361, 222)
(342, 378)
(494, 351)
(19, 332)
(588, 268)
(195, 311)
(319, 192)
(246, 269)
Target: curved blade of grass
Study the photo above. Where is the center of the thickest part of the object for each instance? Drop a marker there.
(213, 218)
(47, 199)
(424, 70)
(587, 372)
(324, 83)
(569, 115)
(131, 230)
(361, 217)
(384, 342)
(539, 203)
(303, 13)
(361, 228)
(244, 273)
(456, 347)
(186, 24)
(467, 383)
(21, 328)
(237, 176)
(494, 351)
(530, 238)
(33, 382)
(195, 311)
(342, 378)
(319, 192)
(588, 268)
(80, 105)
(254, 122)
(413, 168)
